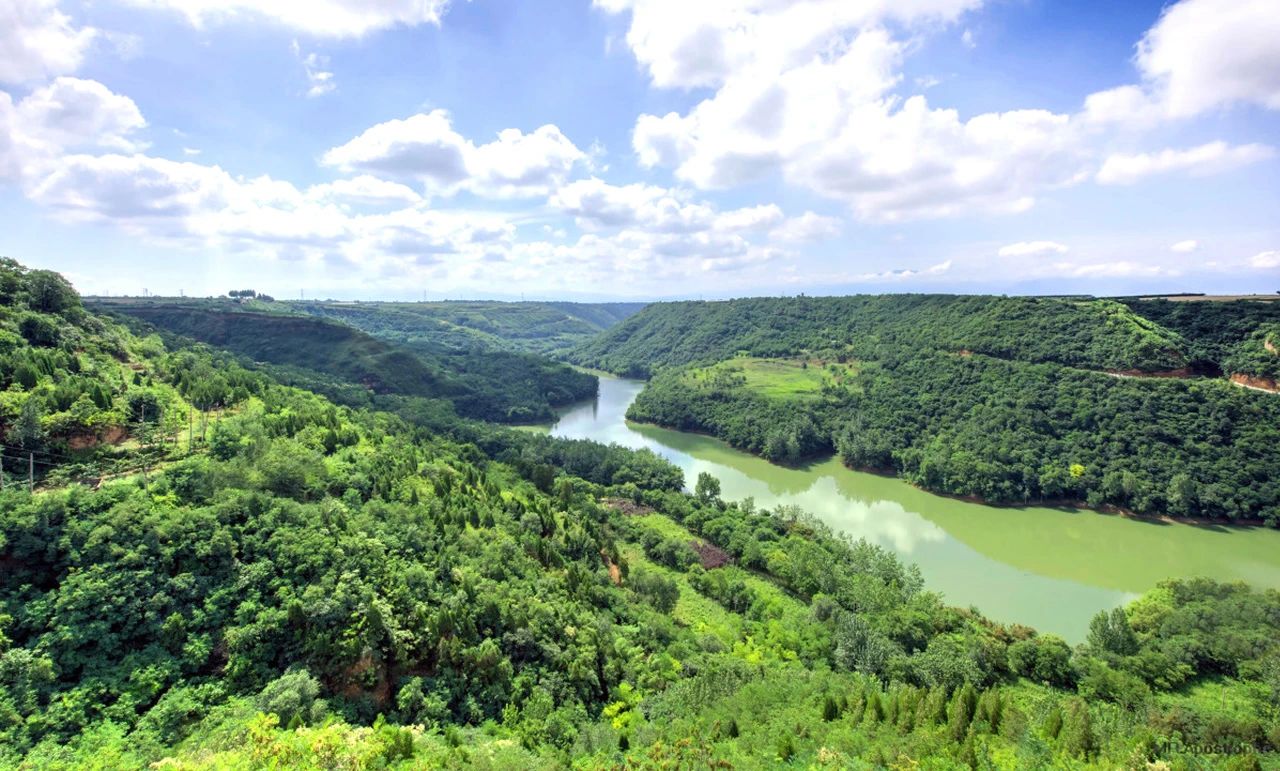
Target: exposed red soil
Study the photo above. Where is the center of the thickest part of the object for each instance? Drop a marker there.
(110, 435)
(1257, 383)
(615, 573)
(353, 687)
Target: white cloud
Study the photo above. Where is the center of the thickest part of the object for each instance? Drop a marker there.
(148, 197)
(1129, 106)
(1265, 260)
(70, 113)
(805, 91)
(67, 114)
(1203, 54)
(903, 274)
(320, 80)
(1199, 56)
(425, 147)
(1210, 158)
(1032, 249)
(656, 226)
(523, 165)
(707, 44)
(365, 190)
(807, 227)
(38, 41)
(323, 18)
(1185, 247)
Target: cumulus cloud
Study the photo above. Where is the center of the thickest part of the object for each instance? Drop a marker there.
(1185, 247)
(37, 41)
(1032, 249)
(1200, 55)
(707, 44)
(807, 227)
(655, 226)
(805, 91)
(66, 115)
(1208, 53)
(322, 18)
(1265, 260)
(1210, 158)
(70, 113)
(426, 148)
(132, 190)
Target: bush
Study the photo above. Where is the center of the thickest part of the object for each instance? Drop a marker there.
(292, 698)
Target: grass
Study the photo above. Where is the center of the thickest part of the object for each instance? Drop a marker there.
(667, 527)
(701, 614)
(783, 379)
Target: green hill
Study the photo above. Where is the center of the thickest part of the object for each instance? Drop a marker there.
(538, 327)
(1010, 400)
(491, 385)
(1091, 334)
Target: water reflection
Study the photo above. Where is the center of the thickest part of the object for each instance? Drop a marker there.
(1048, 568)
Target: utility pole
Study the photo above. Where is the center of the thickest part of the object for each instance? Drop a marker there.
(191, 430)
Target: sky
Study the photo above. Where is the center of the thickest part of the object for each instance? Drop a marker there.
(642, 149)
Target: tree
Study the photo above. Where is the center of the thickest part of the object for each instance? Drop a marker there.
(27, 431)
(1110, 632)
(1077, 737)
(292, 698)
(39, 330)
(707, 488)
(49, 292)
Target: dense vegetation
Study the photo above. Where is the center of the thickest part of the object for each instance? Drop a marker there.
(917, 397)
(279, 581)
(502, 386)
(1258, 355)
(538, 327)
(1226, 335)
(1091, 334)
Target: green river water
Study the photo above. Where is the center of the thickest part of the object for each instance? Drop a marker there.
(1050, 568)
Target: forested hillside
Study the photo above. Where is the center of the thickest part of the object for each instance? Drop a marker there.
(243, 574)
(1091, 334)
(492, 385)
(538, 327)
(1238, 338)
(1016, 417)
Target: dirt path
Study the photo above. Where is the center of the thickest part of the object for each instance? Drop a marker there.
(1254, 388)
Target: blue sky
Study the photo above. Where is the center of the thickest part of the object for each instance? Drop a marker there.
(642, 148)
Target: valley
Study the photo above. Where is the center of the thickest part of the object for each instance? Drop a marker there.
(253, 535)
(1049, 568)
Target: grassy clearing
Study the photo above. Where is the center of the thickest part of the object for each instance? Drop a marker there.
(693, 610)
(785, 379)
(667, 527)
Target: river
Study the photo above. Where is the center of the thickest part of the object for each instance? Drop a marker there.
(1049, 568)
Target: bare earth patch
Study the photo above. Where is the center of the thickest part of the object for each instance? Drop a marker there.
(711, 556)
(624, 506)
